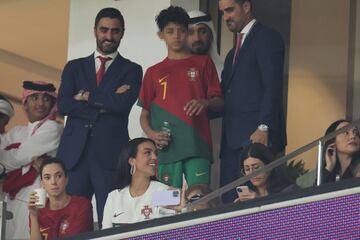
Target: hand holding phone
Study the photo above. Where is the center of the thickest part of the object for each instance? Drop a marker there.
(242, 189)
(166, 198)
(330, 157)
(244, 193)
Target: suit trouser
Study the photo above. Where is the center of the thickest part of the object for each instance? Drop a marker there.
(229, 170)
(89, 177)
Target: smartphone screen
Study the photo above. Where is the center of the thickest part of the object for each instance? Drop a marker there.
(166, 197)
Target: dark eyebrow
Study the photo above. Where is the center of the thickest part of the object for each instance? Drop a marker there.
(228, 9)
(111, 29)
(58, 172)
(148, 149)
(254, 164)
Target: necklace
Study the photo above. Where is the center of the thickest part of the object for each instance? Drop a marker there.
(139, 193)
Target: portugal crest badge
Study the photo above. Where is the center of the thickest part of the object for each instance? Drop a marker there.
(192, 74)
(146, 211)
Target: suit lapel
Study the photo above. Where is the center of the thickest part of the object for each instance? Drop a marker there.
(89, 65)
(244, 48)
(248, 40)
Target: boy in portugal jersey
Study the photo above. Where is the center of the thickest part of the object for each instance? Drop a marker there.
(179, 90)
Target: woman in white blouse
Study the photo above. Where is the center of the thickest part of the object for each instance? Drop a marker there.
(132, 201)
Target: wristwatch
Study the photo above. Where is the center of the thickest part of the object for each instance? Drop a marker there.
(263, 127)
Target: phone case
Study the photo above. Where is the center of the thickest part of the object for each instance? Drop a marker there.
(166, 198)
(241, 189)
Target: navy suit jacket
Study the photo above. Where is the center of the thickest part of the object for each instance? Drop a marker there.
(253, 89)
(104, 118)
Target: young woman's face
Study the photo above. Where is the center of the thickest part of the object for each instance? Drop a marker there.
(347, 142)
(54, 180)
(251, 164)
(146, 159)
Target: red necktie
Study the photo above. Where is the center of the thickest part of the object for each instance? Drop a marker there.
(100, 73)
(239, 37)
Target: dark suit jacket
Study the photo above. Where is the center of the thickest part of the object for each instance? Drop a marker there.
(253, 89)
(104, 118)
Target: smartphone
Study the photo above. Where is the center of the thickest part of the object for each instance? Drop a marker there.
(242, 189)
(166, 197)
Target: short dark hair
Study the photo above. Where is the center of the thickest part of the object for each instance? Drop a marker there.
(52, 160)
(173, 14)
(241, 2)
(110, 13)
(130, 150)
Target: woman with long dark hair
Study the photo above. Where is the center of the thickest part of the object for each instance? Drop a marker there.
(132, 201)
(340, 153)
(340, 156)
(255, 156)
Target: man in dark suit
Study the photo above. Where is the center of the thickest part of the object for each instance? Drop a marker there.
(252, 84)
(96, 94)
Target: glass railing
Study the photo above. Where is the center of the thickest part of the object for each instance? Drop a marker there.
(304, 167)
(297, 170)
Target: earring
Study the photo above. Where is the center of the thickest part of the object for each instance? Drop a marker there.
(132, 170)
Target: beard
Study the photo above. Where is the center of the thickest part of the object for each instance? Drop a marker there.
(107, 46)
(231, 26)
(199, 48)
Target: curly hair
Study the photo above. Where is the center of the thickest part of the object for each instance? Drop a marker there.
(173, 14)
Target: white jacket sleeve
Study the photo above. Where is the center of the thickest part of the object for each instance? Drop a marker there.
(46, 139)
(10, 136)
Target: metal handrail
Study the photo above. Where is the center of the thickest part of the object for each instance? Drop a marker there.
(318, 142)
(319, 163)
(2, 219)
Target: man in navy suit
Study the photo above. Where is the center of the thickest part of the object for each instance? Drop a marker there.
(96, 94)
(252, 85)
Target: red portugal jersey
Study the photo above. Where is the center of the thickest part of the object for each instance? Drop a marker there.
(167, 87)
(73, 219)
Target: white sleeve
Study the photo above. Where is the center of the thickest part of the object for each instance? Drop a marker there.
(46, 139)
(8, 137)
(108, 212)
